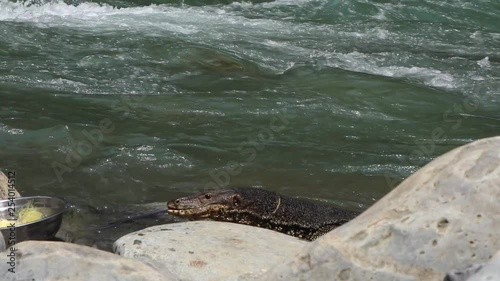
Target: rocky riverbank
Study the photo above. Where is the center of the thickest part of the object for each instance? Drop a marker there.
(441, 223)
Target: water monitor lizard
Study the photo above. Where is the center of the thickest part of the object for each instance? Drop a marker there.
(301, 218)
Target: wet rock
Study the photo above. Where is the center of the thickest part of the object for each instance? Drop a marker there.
(35, 260)
(209, 250)
(4, 187)
(444, 216)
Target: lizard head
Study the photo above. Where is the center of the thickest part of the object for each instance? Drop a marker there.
(221, 204)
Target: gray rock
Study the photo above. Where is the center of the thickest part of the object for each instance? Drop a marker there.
(36, 260)
(209, 250)
(4, 187)
(489, 271)
(463, 274)
(442, 217)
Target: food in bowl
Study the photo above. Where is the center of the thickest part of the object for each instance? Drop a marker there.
(27, 214)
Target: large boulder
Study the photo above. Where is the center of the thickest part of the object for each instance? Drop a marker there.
(209, 251)
(444, 216)
(36, 260)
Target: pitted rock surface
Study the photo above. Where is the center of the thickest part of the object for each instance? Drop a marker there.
(209, 250)
(37, 260)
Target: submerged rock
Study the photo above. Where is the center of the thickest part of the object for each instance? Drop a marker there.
(444, 216)
(209, 250)
(36, 260)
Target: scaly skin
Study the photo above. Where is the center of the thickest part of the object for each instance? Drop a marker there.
(254, 206)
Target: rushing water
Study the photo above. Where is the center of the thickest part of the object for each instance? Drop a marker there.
(123, 102)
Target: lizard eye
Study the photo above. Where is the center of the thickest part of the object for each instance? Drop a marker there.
(208, 196)
(236, 200)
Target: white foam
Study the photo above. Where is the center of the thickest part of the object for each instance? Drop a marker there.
(145, 148)
(10, 131)
(221, 23)
(92, 15)
(208, 21)
(484, 63)
(21, 11)
(275, 4)
(365, 63)
(65, 82)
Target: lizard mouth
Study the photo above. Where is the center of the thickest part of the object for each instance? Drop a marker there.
(193, 212)
(181, 212)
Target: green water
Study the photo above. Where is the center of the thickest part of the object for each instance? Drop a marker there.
(128, 102)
